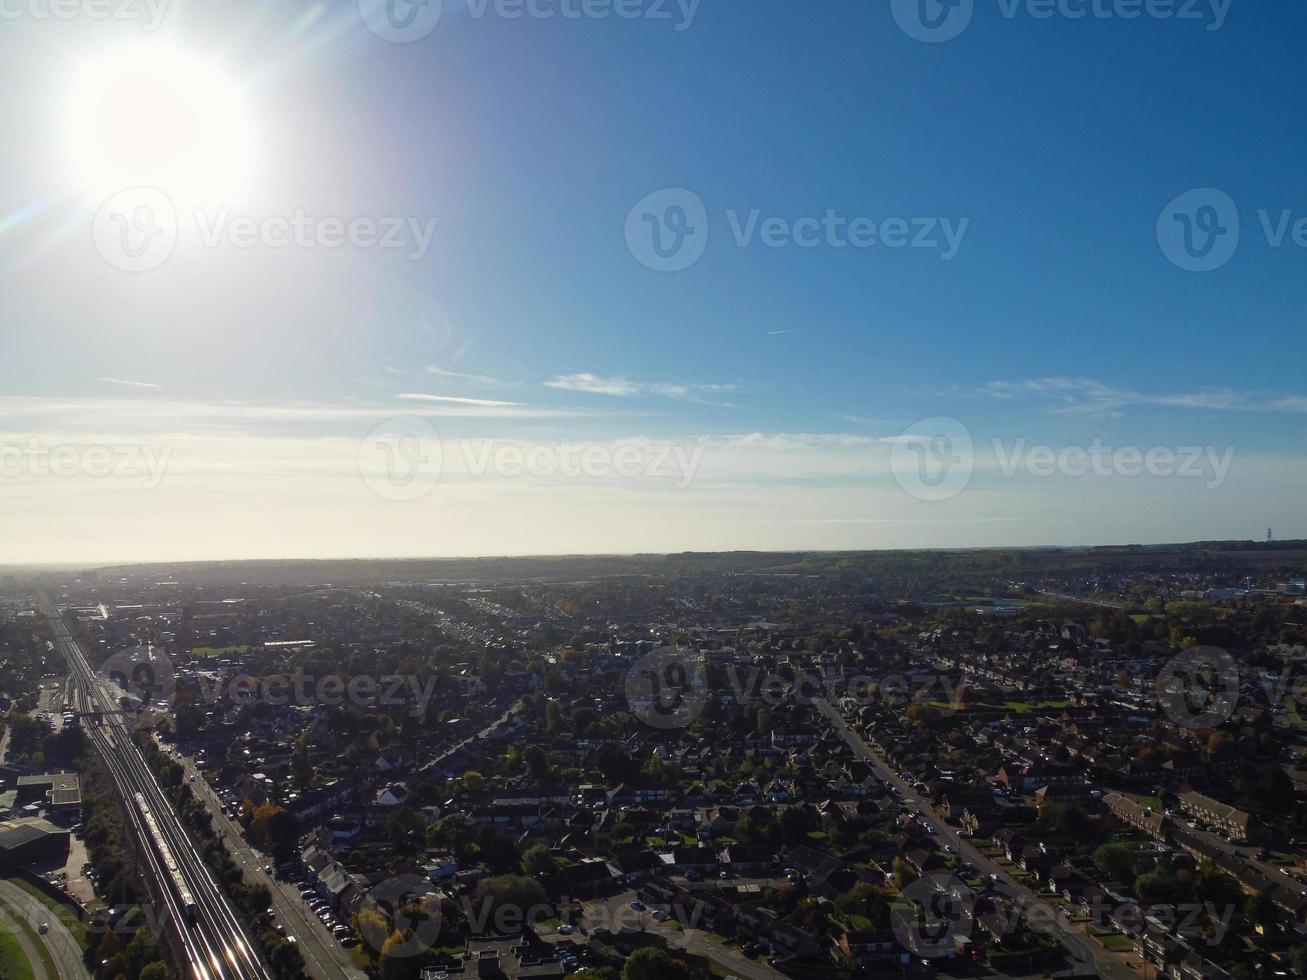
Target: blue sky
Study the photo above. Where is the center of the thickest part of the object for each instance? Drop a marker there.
(1052, 144)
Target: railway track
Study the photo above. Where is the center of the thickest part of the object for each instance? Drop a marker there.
(211, 936)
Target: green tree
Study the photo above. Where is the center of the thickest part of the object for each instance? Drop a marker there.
(1215, 886)
(652, 964)
(473, 782)
(1117, 861)
(300, 763)
(517, 891)
(537, 763)
(904, 873)
(539, 860)
(1261, 908)
(1300, 960)
(553, 717)
(456, 832)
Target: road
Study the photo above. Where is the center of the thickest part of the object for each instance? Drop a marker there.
(59, 942)
(324, 957)
(1082, 949)
(485, 733)
(215, 945)
(1245, 852)
(615, 913)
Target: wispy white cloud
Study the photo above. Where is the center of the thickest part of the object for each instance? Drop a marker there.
(788, 440)
(619, 387)
(1091, 397)
(1293, 403)
(594, 385)
(131, 415)
(131, 384)
(483, 380)
(864, 420)
(454, 400)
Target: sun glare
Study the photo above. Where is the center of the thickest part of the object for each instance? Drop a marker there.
(152, 115)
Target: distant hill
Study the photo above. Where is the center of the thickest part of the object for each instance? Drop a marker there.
(562, 568)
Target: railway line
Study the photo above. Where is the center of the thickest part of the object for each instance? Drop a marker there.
(214, 942)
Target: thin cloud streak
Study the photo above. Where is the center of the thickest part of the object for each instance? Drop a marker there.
(131, 384)
(155, 413)
(1092, 397)
(483, 380)
(619, 387)
(455, 400)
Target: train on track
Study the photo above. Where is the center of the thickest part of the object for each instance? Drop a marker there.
(170, 861)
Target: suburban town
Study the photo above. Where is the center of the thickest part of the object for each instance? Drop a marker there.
(653, 490)
(1004, 763)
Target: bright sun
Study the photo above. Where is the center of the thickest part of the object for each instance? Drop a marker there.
(151, 115)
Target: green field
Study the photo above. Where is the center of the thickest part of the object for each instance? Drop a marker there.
(14, 964)
(219, 651)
